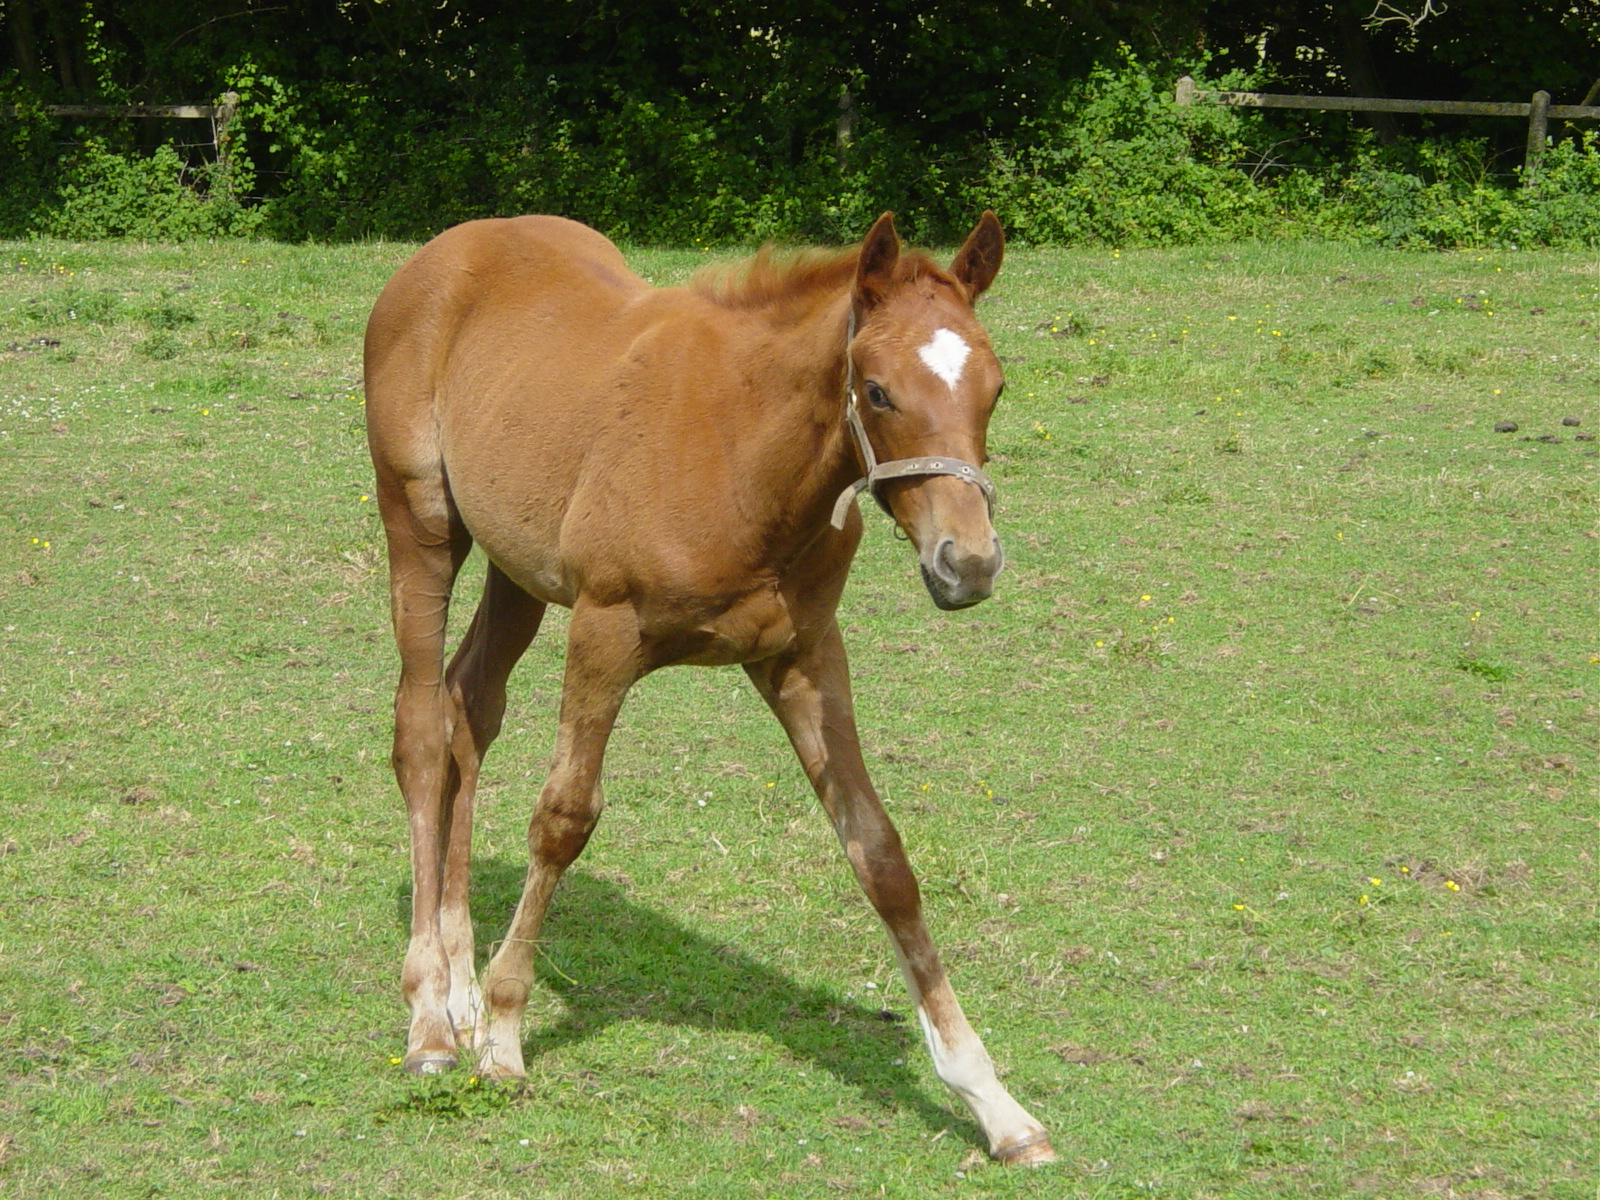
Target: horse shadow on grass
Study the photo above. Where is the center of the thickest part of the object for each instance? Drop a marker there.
(610, 959)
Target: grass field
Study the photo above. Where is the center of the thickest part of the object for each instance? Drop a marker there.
(1256, 813)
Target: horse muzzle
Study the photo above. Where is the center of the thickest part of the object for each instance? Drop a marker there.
(959, 576)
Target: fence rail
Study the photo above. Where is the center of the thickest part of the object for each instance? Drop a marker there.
(197, 112)
(222, 112)
(1537, 111)
(220, 115)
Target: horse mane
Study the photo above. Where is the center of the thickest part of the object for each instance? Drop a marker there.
(784, 279)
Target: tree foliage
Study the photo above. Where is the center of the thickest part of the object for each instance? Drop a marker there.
(672, 120)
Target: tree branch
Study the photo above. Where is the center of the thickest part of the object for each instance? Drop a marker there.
(1383, 13)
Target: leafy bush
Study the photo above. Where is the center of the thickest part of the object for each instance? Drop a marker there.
(1562, 207)
(105, 194)
(28, 157)
(641, 170)
(1120, 163)
(1445, 194)
(1432, 195)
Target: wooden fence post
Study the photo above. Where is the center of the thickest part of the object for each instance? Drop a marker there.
(1185, 96)
(844, 127)
(221, 117)
(1538, 126)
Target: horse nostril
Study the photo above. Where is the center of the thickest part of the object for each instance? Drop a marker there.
(944, 560)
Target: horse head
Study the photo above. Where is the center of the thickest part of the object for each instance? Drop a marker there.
(924, 380)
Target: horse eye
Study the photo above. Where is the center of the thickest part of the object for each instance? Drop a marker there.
(878, 398)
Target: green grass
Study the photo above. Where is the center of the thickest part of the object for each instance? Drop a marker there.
(1256, 812)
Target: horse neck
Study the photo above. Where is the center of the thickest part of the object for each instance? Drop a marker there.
(797, 455)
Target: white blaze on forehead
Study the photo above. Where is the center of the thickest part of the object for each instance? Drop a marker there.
(945, 355)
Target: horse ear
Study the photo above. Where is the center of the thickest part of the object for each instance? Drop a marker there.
(880, 251)
(978, 261)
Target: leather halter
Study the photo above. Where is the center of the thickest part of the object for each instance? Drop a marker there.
(899, 468)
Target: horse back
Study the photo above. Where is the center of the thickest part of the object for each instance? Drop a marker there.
(502, 283)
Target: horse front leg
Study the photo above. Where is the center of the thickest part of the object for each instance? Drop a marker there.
(603, 662)
(809, 691)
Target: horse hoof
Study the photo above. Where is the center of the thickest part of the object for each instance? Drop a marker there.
(1030, 1152)
(502, 1077)
(430, 1062)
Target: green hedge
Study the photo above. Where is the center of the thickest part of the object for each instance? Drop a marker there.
(1114, 162)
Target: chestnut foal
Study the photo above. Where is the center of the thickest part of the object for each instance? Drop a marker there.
(676, 466)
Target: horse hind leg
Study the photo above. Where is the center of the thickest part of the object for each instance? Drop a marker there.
(427, 545)
(503, 627)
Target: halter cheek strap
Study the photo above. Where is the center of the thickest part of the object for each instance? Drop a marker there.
(899, 468)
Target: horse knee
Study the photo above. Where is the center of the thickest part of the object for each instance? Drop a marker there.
(562, 823)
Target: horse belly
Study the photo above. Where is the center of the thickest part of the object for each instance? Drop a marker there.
(512, 500)
(519, 528)
(542, 576)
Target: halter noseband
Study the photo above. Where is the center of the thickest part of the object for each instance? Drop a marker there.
(899, 468)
